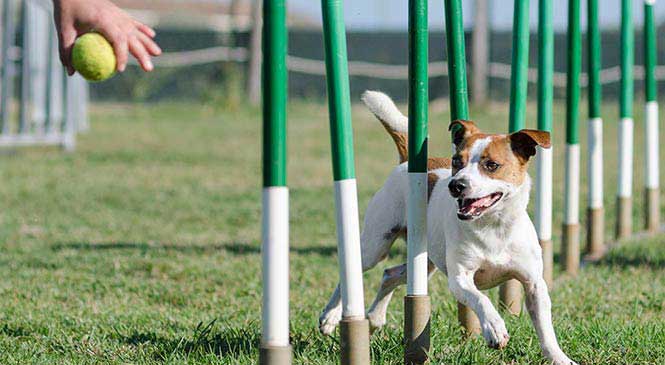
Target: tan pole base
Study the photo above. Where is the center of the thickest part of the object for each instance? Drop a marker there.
(570, 248)
(354, 341)
(510, 296)
(652, 209)
(595, 238)
(417, 311)
(624, 218)
(468, 320)
(275, 355)
(548, 261)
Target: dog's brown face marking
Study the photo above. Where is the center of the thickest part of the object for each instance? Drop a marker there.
(505, 157)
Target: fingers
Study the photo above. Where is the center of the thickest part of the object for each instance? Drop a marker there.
(145, 29)
(150, 45)
(66, 39)
(139, 51)
(118, 39)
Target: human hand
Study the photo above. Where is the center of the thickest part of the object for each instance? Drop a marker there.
(127, 35)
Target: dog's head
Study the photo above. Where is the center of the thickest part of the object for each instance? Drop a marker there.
(490, 170)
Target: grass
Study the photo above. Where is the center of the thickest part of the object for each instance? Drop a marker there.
(143, 247)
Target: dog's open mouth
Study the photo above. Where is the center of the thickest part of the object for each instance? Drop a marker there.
(470, 208)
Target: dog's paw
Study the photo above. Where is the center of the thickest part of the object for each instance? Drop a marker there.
(562, 359)
(376, 320)
(495, 333)
(329, 320)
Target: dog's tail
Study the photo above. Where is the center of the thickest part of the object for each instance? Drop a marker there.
(392, 119)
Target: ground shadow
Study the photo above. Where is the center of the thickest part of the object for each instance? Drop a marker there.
(236, 248)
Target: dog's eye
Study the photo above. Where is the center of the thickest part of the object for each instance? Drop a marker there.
(491, 166)
(458, 163)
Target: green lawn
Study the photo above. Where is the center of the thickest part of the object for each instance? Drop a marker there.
(143, 247)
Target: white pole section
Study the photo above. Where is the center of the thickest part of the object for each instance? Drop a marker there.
(595, 163)
(275, 255)
(572, 184)
(625, 158)
(543, 206)
(651, 130)
(417, 235)
(350, 259)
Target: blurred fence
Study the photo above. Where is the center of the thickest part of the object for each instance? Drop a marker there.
(39, 104)
(378, 60)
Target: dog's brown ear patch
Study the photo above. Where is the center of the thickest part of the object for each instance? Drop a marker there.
(461, 130)
(524, 142)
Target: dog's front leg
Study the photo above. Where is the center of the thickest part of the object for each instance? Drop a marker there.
(540, 309)
(465, 291)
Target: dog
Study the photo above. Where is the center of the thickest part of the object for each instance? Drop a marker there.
(479, 232)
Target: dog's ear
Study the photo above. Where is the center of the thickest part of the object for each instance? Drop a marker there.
(461, 130)
(524, 142)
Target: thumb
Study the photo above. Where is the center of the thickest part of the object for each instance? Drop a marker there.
(66, 39)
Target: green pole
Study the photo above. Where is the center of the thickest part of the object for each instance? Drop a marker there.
(510, 293)
(624, 194)
(354, 327)
(417, 302)
(520, 66)
(650, 52)
(459, 102)
(595, 60)
(595, 211)
(339, 99)
(543, 201)
(418, 83)
(545, 65)
(571, 240)
(627, 55)
(652, 183)
(274, 92)
(275, 348)
(574, 55)
(459, 106)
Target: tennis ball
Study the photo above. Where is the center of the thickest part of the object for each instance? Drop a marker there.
(93, 57)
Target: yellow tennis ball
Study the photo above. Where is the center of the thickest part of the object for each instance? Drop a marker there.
(93, 57)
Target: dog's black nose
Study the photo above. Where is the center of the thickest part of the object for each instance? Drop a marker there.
(457, 187)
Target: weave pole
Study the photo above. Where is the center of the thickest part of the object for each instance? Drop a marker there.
(543, 204)
(595, 245)
(25, 111)
(459, 108)
(510, 293)
(417, 302)
(354, 328)
(624, 226)
(275, 348)
(652, 186)
(571, 228)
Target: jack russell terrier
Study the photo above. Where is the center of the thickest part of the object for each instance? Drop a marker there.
(479, 232)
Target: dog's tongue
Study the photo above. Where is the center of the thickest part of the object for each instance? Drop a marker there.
(475, 205)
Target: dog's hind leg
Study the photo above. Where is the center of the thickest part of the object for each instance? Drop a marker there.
(392, 278)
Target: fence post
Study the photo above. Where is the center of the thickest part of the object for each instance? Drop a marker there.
(480, 52)
(624, 225)
(6, 84)
(543, 206)
(652, 186)
(254, 67)
(595, 211)
(25, 111)
(510, 293)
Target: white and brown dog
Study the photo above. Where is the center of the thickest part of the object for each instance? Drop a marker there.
(479, 232)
